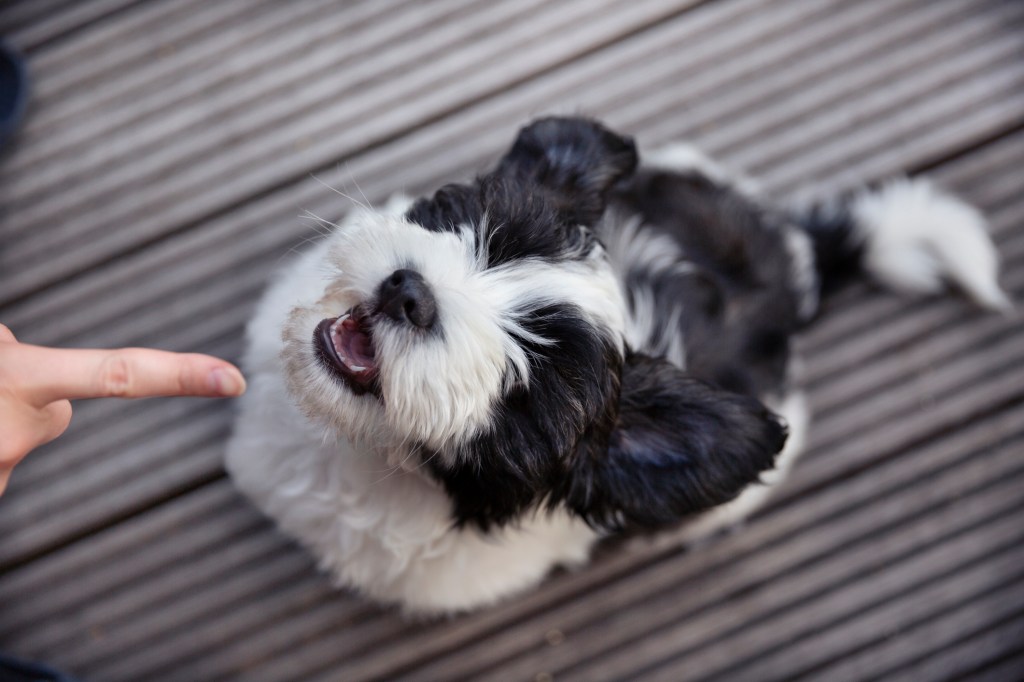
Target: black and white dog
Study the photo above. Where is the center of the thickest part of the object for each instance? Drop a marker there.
(451, 396)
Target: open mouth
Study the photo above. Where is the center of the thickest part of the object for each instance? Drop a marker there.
(345, 346)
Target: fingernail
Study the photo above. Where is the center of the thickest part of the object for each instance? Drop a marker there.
(226, 382)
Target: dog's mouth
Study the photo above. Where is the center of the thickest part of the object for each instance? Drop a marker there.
(345, 346)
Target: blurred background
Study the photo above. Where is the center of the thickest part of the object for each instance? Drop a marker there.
(169, 152)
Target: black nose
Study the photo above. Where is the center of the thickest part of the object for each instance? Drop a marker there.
(406, 297)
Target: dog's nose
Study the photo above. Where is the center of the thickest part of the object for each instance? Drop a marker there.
(406, 297)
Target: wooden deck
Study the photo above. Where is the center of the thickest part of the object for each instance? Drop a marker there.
(170, 149)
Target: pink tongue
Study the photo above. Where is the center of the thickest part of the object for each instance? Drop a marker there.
(353, 345)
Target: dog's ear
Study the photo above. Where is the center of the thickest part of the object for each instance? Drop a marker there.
(680, 446)
(576, 160)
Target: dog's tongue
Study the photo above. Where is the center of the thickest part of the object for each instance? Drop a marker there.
(353, 345)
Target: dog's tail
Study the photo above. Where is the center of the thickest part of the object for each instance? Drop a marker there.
(908, 235)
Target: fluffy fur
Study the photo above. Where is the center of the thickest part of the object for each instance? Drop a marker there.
(450, 396)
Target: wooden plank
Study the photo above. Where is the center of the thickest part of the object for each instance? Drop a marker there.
(173, 280)
(440, 86)
(281, 213)
(221, 623)
(100, 659)
(233, 79)
(919, 351)
(1009, 669)
(179, 463)
(128, 467)
(902, 40)
(476, 648)
(17, 14)
(920, 385)
(604, 76)
(183, 450)
(172, 93)
(245, 645)
(44, 599)
(196, 575)
(628, 620)
(92, 437)
(949, 646)
(217, 262)
(102, 454)
(148, 40)
(52, 21)
(926, 461)
(896, 599)
(284, 623)
(233, 57)
(889, 438)
(333, 614)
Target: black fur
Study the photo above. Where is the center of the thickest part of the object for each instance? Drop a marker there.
(679, 447)
(554, 179)
(740, 311)
(575, 162)
(572, 395)
(838, 248)
(517, 222)
(673, 443)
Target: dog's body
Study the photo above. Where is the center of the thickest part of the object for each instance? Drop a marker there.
(568, 346)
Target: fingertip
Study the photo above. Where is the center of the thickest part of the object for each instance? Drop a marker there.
(226, 381)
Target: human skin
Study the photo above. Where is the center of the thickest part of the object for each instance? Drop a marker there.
(37, 385)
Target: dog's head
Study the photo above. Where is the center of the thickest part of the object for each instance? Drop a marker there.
(478, 338)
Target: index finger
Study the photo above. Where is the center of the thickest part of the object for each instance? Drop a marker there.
(57, 373)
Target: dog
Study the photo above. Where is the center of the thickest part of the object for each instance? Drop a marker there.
(450, 396)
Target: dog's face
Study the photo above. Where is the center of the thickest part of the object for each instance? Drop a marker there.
(479, 338)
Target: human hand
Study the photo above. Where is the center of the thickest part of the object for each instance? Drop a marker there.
(37, 385)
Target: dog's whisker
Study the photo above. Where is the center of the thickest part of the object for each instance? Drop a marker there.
(317, 221)
(365, 206)
(359, 189)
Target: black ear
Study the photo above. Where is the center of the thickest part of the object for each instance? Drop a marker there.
(680, 446)
(575, 159)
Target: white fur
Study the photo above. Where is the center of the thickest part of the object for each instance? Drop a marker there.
(683, 157)
(437, 391)
(803, 271)
(916, 237)
(383, 530)
(631, 246)
(373, 524)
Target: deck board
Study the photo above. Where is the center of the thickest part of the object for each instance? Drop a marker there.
(171, 150)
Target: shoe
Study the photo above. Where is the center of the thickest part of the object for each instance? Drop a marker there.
(13, 91)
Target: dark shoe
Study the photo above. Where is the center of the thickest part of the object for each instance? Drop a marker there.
(13, 91)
